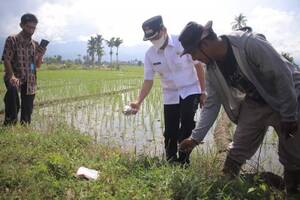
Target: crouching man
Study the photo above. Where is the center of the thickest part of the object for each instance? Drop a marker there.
(257, 88)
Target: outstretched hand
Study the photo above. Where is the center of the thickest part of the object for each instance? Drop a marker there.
(135, 107)
(187, 145)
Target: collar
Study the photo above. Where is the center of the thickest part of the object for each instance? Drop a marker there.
(22, 39)
(170, 43)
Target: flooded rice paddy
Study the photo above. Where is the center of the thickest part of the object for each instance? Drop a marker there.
(92, 101)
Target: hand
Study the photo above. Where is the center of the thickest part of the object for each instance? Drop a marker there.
(187, 145)
(289, 129)
(203, 97)
(14, 81)
(40, 52)
(135, 106)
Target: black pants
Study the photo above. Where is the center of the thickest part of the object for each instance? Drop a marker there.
(179, 123)
(12, 104)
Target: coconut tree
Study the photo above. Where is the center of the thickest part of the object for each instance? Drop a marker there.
(289, 57)
(78, 59)
(239, 22)
(99, 47)
(86, 59)
(110, 43)
(118, 42)
(91, 49)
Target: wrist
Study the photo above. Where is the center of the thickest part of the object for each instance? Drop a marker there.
(195, 142)
(139, 102)
(203, 92)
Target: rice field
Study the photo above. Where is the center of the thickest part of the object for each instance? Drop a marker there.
(92, 100)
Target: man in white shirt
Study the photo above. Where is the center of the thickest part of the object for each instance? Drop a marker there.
(182, 81)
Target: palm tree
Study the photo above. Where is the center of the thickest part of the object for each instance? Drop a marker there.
(91, 50)
(289, 57)
(99, 47)
(118, 42)
(111, 43)
(86, 59)
(239, 22)
(78, 60)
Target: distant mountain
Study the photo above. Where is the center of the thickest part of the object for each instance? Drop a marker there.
(2, 41)
(70, 50)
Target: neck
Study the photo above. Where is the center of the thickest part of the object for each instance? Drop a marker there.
(26, 36)
(165, 44)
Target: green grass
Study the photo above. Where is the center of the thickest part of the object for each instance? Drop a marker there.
(40, 162)
(73, 83)
(41, 165)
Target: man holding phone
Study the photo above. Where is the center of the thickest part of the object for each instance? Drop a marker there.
(21, 56)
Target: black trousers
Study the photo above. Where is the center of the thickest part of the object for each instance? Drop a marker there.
(179, 123)
(12, 104)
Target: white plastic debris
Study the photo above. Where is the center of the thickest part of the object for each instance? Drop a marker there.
(87, 173)
(128, 110)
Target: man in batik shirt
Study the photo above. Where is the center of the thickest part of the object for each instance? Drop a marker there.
(21, 57)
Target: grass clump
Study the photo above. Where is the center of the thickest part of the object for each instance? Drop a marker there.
(36, 165)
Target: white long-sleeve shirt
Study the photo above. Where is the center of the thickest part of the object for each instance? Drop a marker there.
(178, 75)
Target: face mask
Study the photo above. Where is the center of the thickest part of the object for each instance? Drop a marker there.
(160, 42)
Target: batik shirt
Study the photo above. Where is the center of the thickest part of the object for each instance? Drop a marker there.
(20, 52)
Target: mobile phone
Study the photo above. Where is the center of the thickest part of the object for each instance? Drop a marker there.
(44, 43)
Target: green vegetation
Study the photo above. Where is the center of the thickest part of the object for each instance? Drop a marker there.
(41, 165)
(72, 83)
(78, 121)
(239, 22)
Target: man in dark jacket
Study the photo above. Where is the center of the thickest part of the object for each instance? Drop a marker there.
(257, 88)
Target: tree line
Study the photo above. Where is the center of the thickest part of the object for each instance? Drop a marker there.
(95, 47)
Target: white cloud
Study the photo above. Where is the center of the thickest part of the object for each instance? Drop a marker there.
(53, 21)
(83, 38)
(76, 20)
(69, 20)
(280, 27)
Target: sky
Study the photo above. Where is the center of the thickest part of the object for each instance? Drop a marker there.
(68, 24)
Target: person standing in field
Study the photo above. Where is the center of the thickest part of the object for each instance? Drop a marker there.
(21, 56)
(256, 87)
(182, 82)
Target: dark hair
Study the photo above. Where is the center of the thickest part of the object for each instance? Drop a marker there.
(28, 17)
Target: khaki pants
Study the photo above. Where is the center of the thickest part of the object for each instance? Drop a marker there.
(253, 122)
